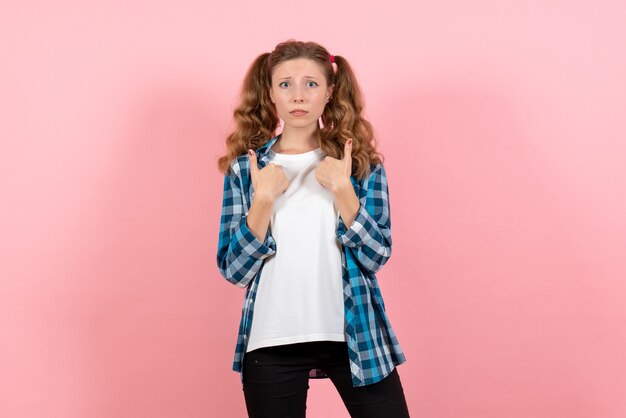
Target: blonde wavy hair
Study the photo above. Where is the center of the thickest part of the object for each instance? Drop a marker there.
(256, 120)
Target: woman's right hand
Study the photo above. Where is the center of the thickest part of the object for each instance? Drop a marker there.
(270, 181)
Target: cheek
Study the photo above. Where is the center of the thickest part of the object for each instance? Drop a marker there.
(321, 101)
(280, 103)
(322, 105)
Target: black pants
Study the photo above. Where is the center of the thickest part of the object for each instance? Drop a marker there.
(276, 382)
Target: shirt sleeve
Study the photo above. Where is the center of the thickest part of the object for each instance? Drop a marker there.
(240, 254)
(369, 236)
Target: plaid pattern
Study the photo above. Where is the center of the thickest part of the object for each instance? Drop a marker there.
(373, 348)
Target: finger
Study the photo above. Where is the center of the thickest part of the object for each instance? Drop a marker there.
(254, 168)
(347, 154)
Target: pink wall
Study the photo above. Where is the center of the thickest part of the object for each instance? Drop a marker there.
(503, 127)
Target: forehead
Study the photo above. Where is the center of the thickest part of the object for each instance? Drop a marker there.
(298, 67)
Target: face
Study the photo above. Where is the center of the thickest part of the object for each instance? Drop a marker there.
(299, 84)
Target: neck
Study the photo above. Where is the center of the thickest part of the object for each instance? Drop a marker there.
(298, 140)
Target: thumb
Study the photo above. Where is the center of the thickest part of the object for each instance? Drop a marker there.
(347, 154)
(254, 168)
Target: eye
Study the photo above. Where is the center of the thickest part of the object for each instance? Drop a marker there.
(281, 84)
(314, 84)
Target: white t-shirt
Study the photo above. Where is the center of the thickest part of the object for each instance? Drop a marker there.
(300, 293)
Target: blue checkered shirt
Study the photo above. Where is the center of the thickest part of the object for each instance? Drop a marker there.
(373, 348)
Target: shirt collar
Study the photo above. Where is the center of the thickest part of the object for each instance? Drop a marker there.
(264, 152)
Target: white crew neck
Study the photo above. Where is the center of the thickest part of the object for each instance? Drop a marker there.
(291, 157)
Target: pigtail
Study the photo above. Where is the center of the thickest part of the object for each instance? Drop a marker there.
(343, 119)
(255, 116)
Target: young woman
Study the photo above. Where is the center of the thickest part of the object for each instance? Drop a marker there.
(305, 226)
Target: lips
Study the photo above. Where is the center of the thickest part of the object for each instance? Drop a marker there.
(298, 112)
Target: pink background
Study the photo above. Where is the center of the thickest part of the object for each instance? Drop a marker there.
(503, 127)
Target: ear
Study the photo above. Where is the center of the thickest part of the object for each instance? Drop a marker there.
(329, 91)
(271, 94)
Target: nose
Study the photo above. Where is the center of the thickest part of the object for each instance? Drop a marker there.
(297, 95)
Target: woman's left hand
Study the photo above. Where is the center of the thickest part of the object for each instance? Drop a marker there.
(333, 173)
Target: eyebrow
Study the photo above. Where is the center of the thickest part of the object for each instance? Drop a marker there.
(306, 76)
